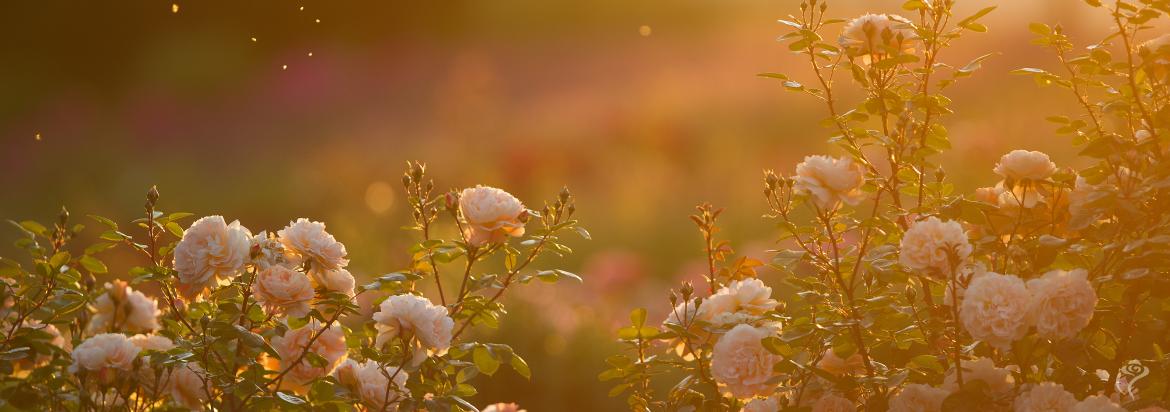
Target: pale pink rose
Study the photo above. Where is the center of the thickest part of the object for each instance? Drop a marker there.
(999, 380)
(104, 354)
(1062, 303)
(830, 181)
(1097, 403)
(503, 407)
(312, 243)
(917, 397)
(988, 194)
(330, 346)
(995, 309)
(1045, 397)
(415, 315)
(741, 364)
(211, 253)
(152, 342)
(769, 404)
(188, 387)
(283, 290)
(267, 251)
(339, 280)
(935, 246)
(1025, 165)
(370, 383)
(122, 308)
(967, 274)
(747, 297)
(491, 214)
(877, 35)
(833, 403)
(836, 366)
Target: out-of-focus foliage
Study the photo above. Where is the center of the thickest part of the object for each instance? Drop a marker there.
(1049, 289)
(270, 320)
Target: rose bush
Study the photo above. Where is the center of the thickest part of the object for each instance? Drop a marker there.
(220, 319)
(1047, 290)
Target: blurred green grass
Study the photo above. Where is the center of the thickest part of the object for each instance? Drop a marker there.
(643, 109)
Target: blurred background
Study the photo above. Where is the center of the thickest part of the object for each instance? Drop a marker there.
(265, 111)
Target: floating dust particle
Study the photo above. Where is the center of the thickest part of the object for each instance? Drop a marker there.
(174, 7)
(284, 67)
(644, 30)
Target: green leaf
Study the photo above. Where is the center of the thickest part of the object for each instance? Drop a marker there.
(109, 223)
(59, 259)
(638, 317)
(292, 399)
(93, 265)
(485, 361)
(520, 366)
(34, 227)
(175, 229)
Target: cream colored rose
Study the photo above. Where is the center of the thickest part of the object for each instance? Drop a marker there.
(833, 403)
(103, 354)
(1097, 403)
(967, 274)
(312, 243)
(330, 346)
(122, 308)
(1022, 165)
(995, 309)
(152, 342)
(339, 280)
(836, 366)
(149, 378)
(371, 384)
(1045, 397)
(283, 290)
(830, 181)
(917, 397)
(1062, 303)
(769, 404)
(935, 246)
(747, 297)
(503, 407)
(491, 214)
(877, 35)
(267, 251)
(211, 253)
(416, 316)
(999, 380)
(741, 364)
(188, 387)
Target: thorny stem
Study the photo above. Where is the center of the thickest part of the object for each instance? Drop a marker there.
(852, 306)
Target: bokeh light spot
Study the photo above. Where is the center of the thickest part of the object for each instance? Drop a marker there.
(644, 30)
(380, 197)
(174, 7)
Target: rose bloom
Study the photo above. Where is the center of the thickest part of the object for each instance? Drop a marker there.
(1062, 303)
(931, 244)
(1152, 409)
(211, 252)
(769, 404)
(967, 274)
(122, 308)
(152, 342)
(999, 380)
(416, 315)
(267, 251)
(877, 35)
(491, 214)
(282, 289)
(749, 296)
(503, 407)
(187, 387)
(995, 309)
(331, 346)
(1097, 403)
(339, 280)
(312, 243)
(917, 397)
(741, 363)
(1045, 397)
(148, 377)
(104, 354)
(1156, 56)
(830, 181)
(836, 366)
(833, 403)
(1025, 165)
(370, 383)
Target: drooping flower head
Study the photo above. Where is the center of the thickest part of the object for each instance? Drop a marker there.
(122, 308)
(877, 36)
(211, 253)
(830, 181)
(188, 386)
(491, 214)
(741, 364)
(371, 383)
(999, 380)
(414, 315)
